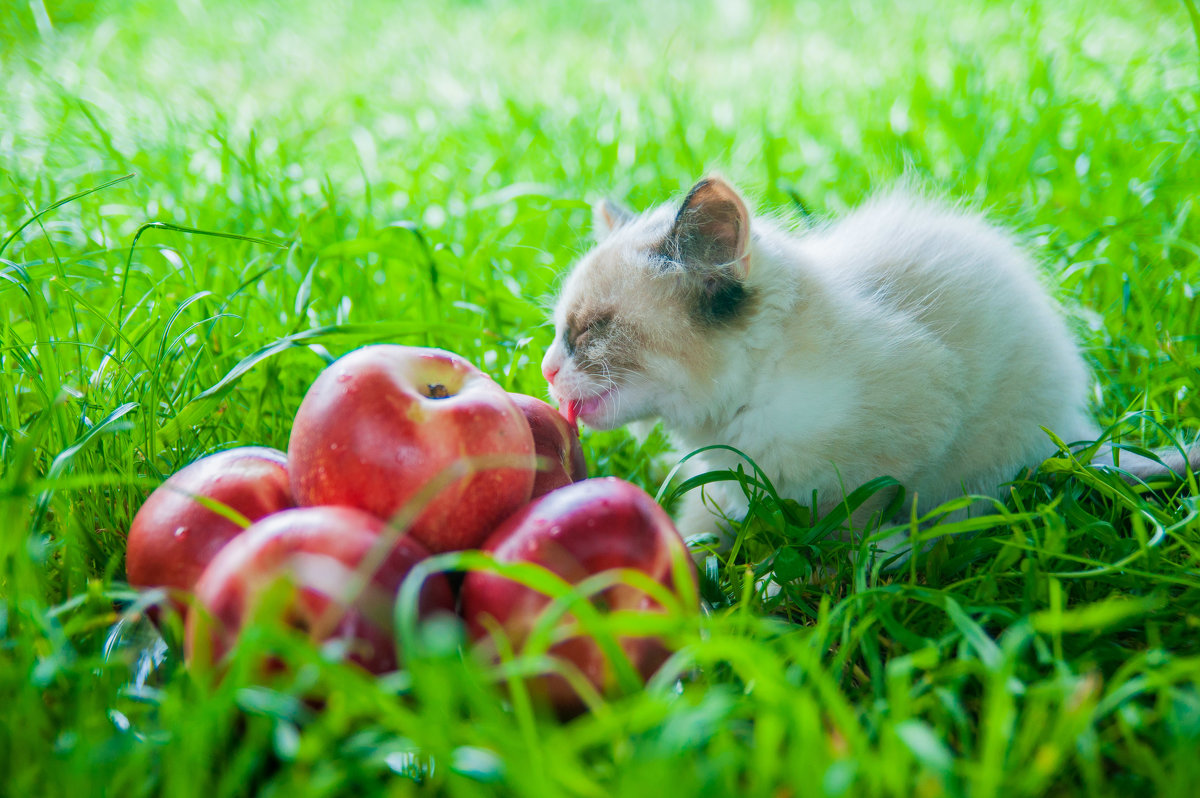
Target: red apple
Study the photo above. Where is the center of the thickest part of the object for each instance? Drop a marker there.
(174, 536)
(318, 551)
(556, 443)
(577, 531)
(379, 428)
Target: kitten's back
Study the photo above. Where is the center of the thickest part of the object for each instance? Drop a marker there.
(955, 276)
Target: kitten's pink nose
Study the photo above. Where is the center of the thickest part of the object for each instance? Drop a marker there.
(551, 363)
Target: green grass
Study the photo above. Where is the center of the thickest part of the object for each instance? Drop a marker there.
(419, 173)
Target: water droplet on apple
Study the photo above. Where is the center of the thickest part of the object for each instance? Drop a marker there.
(333, 447)
(180, 532)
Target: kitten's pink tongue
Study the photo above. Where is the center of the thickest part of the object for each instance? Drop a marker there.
(570, 411)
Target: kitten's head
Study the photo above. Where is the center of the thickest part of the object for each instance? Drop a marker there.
(640, 319)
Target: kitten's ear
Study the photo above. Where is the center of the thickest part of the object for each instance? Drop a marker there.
(712, 229)
(608, 215)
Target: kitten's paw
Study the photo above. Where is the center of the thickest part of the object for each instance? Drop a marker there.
(700, 521)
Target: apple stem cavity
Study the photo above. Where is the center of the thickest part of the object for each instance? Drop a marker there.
(437, 391)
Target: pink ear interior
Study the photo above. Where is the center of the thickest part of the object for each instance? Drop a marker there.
(607, 216)
(713, 227)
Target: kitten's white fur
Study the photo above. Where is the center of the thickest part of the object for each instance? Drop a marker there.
(908, 338)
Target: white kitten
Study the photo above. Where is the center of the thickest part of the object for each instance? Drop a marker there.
(907, 339)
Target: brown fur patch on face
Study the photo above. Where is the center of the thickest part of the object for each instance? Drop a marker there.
(602, 340)
(716, 299)
(585, 326)
(617, 311)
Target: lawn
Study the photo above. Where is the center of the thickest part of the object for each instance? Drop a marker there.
(203, 203)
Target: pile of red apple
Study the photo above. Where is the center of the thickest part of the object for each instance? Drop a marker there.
(396, 453)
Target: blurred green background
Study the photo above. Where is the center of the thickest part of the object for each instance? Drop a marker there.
(1069, 120)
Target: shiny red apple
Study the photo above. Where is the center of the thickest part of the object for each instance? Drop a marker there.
(556, 443)
(384, 429)
(174, 535)
(576, 531)
(323, 554)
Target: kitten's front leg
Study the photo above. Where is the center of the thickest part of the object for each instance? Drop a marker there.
(693, 519)
(705, 519)
(705, 516)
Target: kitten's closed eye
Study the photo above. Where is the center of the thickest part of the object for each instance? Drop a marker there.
(580, 334)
